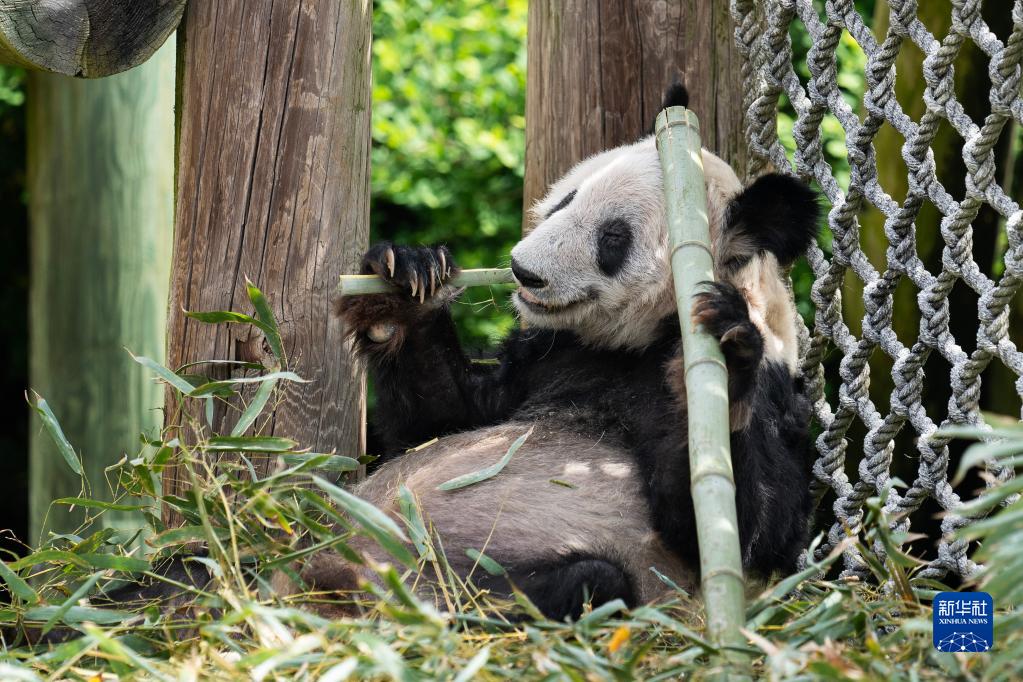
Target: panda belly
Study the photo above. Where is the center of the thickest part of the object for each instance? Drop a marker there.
(563, 497)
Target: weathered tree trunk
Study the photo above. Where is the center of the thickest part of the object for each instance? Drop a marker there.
(273, 185)
(100, 184)
(598, 70)
(89, 38)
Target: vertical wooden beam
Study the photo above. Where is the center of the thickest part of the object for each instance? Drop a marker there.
(100, 183)
(597, 70)
(273, 185)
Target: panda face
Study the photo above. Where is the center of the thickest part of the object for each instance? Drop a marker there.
(597, 261)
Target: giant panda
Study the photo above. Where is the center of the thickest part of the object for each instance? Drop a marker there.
(599, 493)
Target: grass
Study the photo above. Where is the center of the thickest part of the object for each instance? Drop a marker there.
(237, 627)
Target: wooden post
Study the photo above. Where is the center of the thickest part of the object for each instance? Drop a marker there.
(598, 70)
(273, 185)
(100, 185)
(87, 38)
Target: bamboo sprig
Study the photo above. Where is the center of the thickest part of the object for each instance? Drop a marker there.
(355, 285)
(712, 483)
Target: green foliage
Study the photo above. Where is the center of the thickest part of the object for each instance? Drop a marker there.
(448, 135)
(12, 89)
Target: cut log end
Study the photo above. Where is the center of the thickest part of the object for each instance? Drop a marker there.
(85, 38)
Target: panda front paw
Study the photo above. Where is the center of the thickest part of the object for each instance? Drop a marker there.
(418, 275)
(724, 313)
(418, 271)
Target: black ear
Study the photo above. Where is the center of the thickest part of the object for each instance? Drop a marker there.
(779, 213)
(675, 96)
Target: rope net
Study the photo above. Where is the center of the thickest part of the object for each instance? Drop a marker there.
(771, 80)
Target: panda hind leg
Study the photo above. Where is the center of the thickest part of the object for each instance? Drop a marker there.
(562, 589)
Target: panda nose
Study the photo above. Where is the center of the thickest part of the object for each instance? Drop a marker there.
(527, 278)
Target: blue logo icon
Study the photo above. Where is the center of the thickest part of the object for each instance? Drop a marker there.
(964, 621)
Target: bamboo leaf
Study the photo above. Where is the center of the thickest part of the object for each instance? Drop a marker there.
(269, 322)
(125, 564)
(18, 587)
(48, 556)
(170, 377)
(215, 386)
(221, 316)
(489, 472)
(485, 562)
(254, 408)
(375, 522)
(178, 536)
(56, 433)
(415, 523)
(248, 444)
(602, 613)
(79, 614)
(474, 665)
(98, 504)
(234, 363)
(78, 594)
(979, 453)
(337, 463)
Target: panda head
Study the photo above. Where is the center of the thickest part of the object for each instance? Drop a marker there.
(597, 260)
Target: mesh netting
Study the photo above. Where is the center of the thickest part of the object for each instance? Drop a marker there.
(762, 34)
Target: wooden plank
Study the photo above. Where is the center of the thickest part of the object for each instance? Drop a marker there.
(598, 70)
(87, 38)
(100, 185)
(273, 185)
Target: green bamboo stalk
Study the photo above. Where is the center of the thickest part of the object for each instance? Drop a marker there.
(712, 484)
(355, 285)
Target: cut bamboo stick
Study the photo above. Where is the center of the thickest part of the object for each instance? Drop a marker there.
(356, 285)
(712, 483)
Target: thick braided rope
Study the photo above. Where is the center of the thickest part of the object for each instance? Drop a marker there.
(762, 36)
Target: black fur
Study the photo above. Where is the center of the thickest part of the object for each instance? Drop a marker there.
(778, 213)
(429, 388)
(675, 96)
(565, 201)
(563, 587)
(614, 241)
(723, 311)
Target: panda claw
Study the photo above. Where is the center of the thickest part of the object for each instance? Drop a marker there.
(433, 281)
(422, 293)
(390, 262)
(414, 283)
(731, 334)
(443, 262)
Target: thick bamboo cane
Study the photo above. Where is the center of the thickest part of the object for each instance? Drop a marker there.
(712, 484)
(354, 285)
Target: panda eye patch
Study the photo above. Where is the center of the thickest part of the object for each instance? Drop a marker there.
(614, 242)
(566, 200)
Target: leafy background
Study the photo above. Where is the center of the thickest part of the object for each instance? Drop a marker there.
(449, 85)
